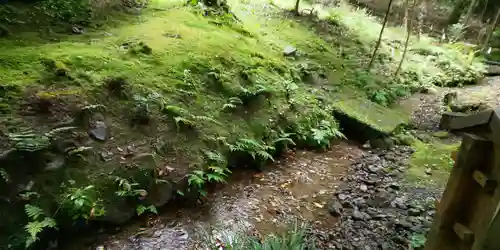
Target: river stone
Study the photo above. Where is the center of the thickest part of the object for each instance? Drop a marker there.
(335, 208)
(99, 131)
(290, 51)
(118, 211)
(160, 194)
(55, 163)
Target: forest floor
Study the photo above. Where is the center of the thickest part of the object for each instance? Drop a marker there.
(157, 107)
(351, 196)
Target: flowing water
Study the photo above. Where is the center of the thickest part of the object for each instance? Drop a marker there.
(298, 186)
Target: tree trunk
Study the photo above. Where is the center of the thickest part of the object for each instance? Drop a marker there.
(408, 35)
(422, 12)
(455, 15)
(405, 18)
(380, 35)
(485, 7)
(493, 26)
(297, 7)
(469, 12)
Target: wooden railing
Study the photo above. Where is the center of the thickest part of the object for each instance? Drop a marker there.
(468, 214)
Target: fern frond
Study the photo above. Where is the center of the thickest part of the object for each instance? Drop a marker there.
(265, 155)
(5, 176)
(175, 110)
(228, 106)
(183, 121)
(29, 141)
(55, 132)
(33, 211)
(49, 222)
(284, 140)
(206, 118)
(215, 177)
(235, 100)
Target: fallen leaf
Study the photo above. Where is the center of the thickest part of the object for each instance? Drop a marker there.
(284, 185)
(318, 205)
(258, 175)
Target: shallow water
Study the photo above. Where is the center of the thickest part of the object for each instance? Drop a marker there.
(299, 186)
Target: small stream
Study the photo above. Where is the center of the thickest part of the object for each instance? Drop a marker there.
(298, 186)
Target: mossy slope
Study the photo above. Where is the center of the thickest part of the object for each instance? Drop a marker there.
(182, 89)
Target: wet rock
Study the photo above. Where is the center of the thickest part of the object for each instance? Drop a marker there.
(343, 197)
(161, 193)
(357, 215)
(77, 30)
(429, 90)
(118, 211)
(99, 131)
(363, 188)
(56, 162)
(428, 171)
(382, 143)
(395, 186)
(414, 212)
(173, 35)
(335, 208)
(399, 203)
(402, 223)
(106, 156)
(290, 51)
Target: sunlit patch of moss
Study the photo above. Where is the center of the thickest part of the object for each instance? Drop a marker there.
(431, 163)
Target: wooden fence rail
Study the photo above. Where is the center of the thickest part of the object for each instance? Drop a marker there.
(468, 213)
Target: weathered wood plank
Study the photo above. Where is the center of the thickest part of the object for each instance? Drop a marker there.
(464, 233)
(457, 121)
(460, 196)
(482, 179)
(494, 126)
(487, 206)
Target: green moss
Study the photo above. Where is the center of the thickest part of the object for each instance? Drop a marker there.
(223, 81)
(384, 119)
(434, 156)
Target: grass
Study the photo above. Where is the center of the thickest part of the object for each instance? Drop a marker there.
(294, 238)
(434, 155)
(208, 82)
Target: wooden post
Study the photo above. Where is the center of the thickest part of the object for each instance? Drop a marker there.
(460, 197)
(468, 217)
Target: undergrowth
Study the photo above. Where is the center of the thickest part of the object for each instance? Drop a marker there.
(212, 91)
(295, 238)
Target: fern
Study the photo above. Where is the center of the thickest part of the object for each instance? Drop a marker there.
(181, 121)
(36, 226)
(142, 209)
(215, 157)
(33, 212)
(29, 141)
(175, 110)
(52, 134)
(252, 148)
(206, 118)
(5, 176)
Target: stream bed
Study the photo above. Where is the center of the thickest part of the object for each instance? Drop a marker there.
(298, 186)
(352, 197)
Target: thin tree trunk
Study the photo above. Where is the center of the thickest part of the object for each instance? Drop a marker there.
(408, 35)
(469, 11)
(484, 10)
(493, 26)
(405, 18)
(422, 12)
(380, 35)
(297, 7)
